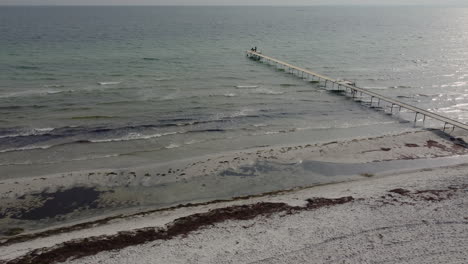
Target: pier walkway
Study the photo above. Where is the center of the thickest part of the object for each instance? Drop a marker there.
(353, 90)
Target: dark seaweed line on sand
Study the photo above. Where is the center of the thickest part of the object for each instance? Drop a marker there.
(51, 232)
(76, 249)
(183, 226)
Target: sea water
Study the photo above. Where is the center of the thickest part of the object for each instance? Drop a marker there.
(95, 83)
(84, 88)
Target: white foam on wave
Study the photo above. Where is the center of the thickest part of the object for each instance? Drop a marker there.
(239, 113)
(455, 84)
(230, 95)
(171, 96)
(401, 87)
(43, 130)
(242, 112)
(173, 145)
(32, 132)
(108, 83)
(193, 141)
(459, 84)
(24, 148)
(268, 92)
(455, 108)
(54, 85)
(56, 92)
(246, 86)
(133, 136)
(30, 93)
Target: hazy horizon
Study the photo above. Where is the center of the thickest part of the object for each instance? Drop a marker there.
(229, 3)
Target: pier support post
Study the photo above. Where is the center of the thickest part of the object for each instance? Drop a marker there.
(353, 90)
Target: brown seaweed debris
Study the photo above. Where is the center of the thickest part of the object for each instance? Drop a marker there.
(459, 147)
(67, 229)
(425, 195)
(435, 144)
(376, 150)
(76, 249)
(400, 191)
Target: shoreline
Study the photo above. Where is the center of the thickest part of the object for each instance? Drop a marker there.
(248, 173)
(418, 145)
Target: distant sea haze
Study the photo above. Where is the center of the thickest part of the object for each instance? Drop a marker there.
(127, 86)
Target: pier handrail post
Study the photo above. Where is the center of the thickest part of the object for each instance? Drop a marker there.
(353, 89)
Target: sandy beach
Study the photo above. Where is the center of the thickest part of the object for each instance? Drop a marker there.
(233, 132)
(412, 213)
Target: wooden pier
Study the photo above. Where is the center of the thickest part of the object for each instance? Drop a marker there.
(353, 90)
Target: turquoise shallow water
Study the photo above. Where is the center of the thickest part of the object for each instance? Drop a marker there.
(83, 88)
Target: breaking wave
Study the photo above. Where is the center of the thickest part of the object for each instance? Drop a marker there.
(132, 136)
(31, 132)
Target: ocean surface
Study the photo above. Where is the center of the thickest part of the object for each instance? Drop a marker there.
(84, 88)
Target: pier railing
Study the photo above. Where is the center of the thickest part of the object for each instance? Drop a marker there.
(354, 90)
